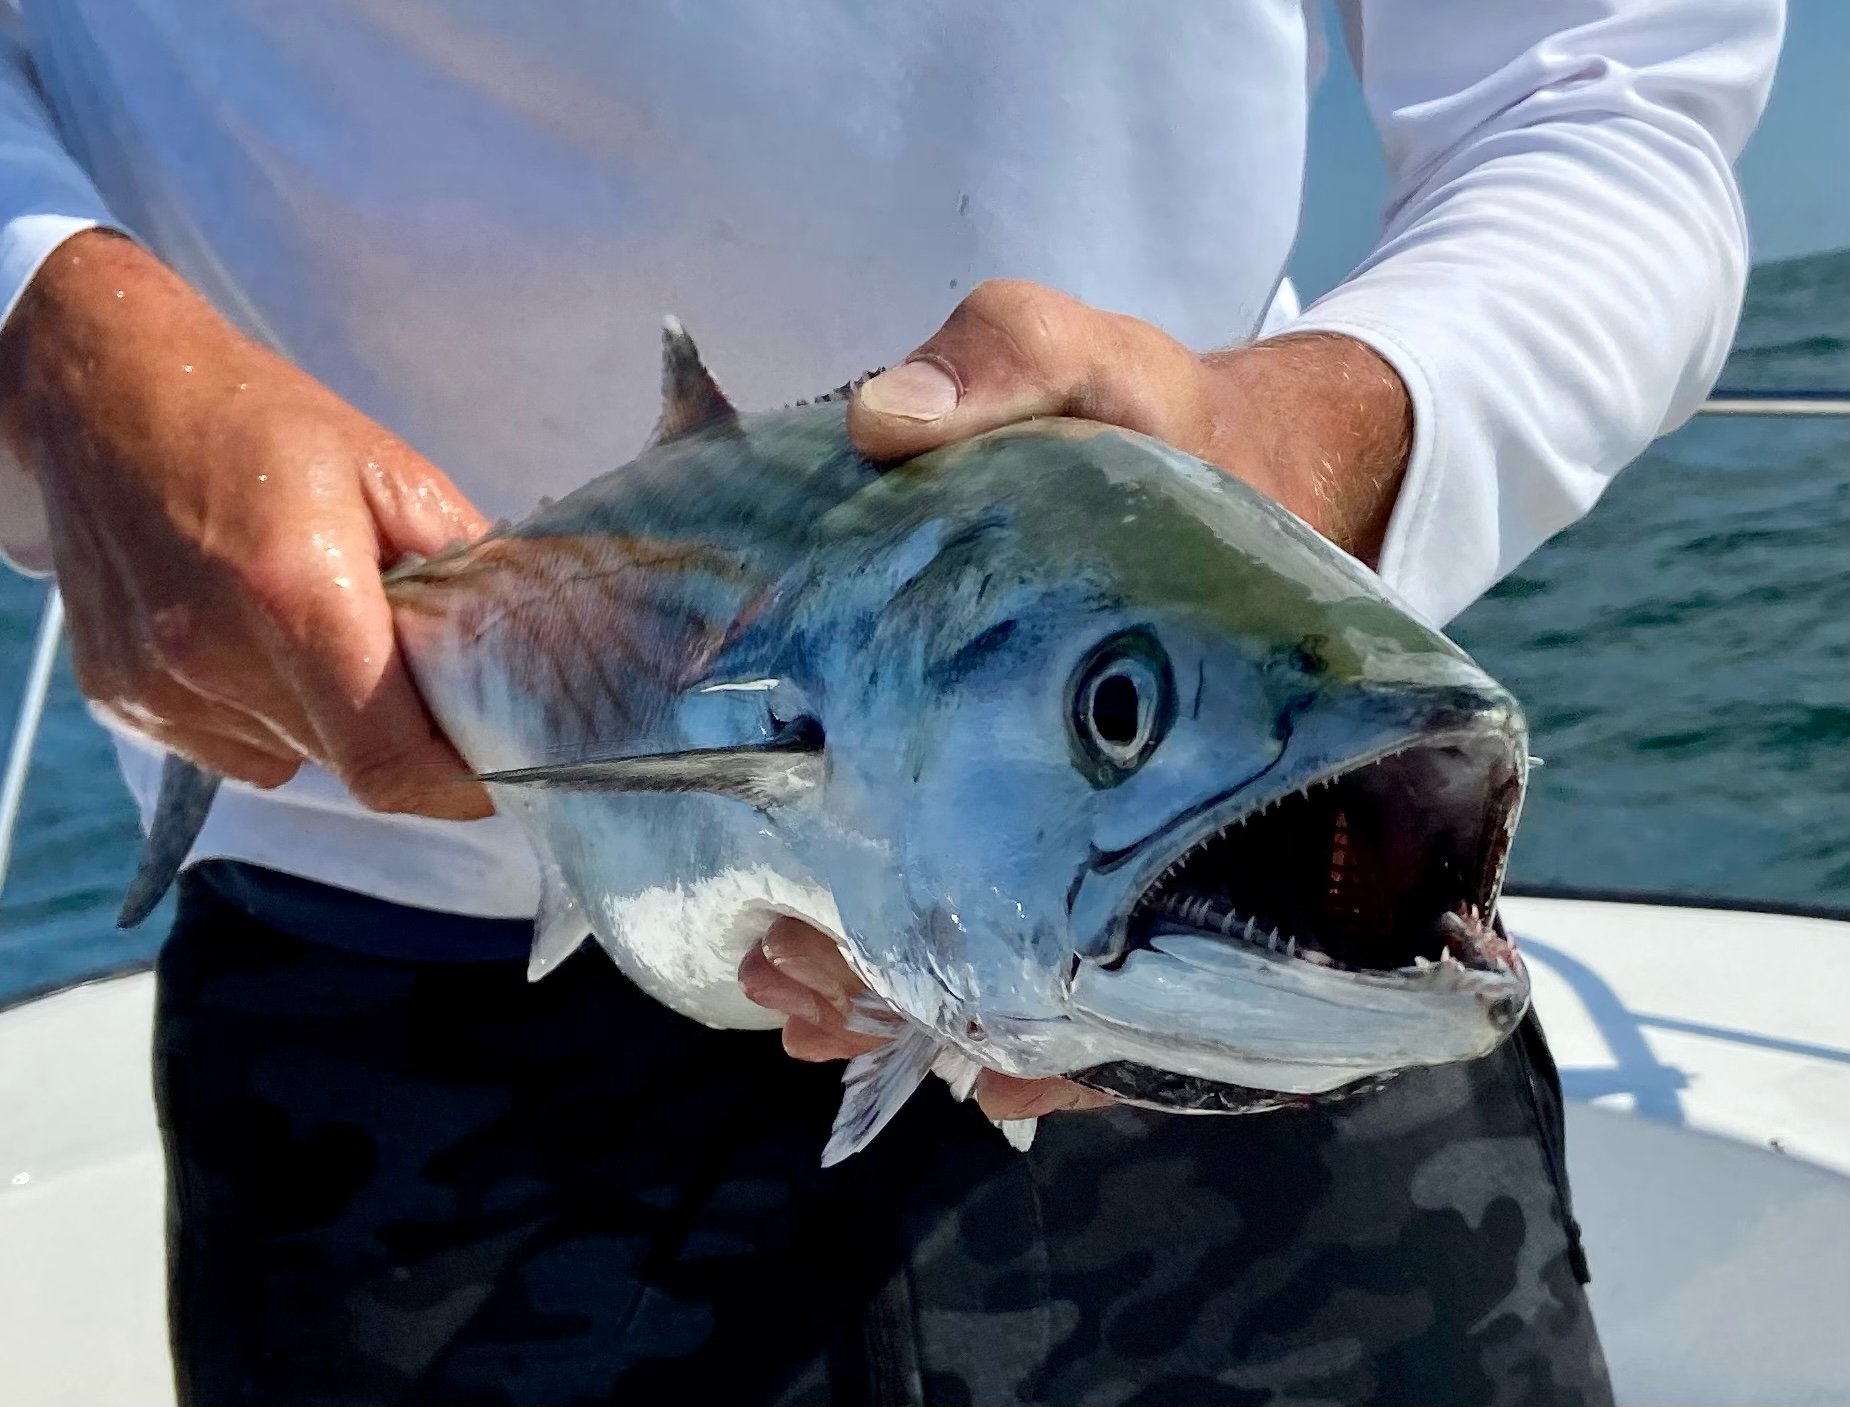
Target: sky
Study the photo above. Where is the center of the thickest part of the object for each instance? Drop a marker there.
(1795, 173)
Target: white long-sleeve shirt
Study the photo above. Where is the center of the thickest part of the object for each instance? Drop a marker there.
(468, 218)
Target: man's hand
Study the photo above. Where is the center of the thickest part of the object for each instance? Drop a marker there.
(800, 972)
(218, 520)
(1320, 423)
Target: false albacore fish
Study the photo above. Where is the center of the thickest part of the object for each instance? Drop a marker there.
(1093, 760)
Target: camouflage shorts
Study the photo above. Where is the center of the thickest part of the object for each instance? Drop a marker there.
(402, 1182)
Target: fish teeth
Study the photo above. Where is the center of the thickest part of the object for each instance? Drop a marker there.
(1291, 948)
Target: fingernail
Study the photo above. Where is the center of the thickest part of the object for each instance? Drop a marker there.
(785, 936)
(920, 390)
(824, 984)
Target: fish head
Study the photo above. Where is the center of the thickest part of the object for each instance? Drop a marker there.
(1142, 777)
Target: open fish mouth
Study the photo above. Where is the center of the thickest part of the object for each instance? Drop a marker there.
(1308, 945)
(1391, 865)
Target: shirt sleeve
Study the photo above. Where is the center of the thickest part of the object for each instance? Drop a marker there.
(1564, 253)
(45, 198)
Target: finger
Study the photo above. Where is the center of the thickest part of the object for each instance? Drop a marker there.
(811, 958)
(164, 708)
(227, 756)
(1006, 1097)
(1013, 350)
(414, 505)
(760, 980)
(178, 712)
(123, 658)
(201, 647)
(265, 714)
(804, 1040)
(337, 649)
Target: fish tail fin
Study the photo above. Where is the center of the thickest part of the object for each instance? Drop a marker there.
(179, 812)
(875, 1085)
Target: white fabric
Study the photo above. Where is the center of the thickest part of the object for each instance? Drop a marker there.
(469, 217)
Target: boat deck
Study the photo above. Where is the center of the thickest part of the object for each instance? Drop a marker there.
(1706, 1055)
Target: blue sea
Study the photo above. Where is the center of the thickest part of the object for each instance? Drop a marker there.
(1684, 655)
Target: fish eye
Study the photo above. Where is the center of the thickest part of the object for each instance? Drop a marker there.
(1122, 703)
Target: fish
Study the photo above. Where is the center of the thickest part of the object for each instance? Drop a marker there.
(1094, 761)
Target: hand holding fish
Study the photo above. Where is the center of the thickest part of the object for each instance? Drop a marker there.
(1186, 811)
(218, 520)
(801, 973)
(1315, 421)
(1320, 423)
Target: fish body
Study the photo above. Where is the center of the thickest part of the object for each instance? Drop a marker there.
(1094, 761)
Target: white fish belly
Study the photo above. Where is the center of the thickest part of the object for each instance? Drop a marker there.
(683, 943)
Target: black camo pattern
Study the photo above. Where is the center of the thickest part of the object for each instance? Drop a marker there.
(397, 1182)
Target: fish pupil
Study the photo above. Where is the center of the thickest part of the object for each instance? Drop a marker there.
(1117, 710)
(1120, 704)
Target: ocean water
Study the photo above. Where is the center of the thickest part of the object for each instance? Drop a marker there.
(1684, 655)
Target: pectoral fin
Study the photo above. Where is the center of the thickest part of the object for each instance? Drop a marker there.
(879, 1082)
(762, 774)
(875, 1085)
(179, 812)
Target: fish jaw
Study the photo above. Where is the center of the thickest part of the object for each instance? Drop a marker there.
(1243, 1015)
(1338, 927)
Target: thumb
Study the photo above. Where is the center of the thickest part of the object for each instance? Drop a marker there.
(1013, 350)
(414, 506)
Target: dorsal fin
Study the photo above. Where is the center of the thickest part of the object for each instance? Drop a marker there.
(691, 398)
(781, 768)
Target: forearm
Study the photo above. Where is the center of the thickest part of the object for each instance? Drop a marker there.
(45, 198)
(1325, 424)
(120, 384)
(100, 312)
